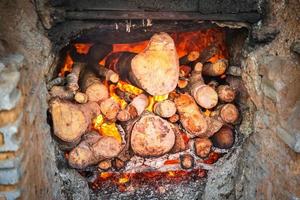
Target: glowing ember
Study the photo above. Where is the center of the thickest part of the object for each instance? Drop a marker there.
(207, 113)
(68, 64)
(98, 121)
(110, 129)
(105, 175)
(123, 180)
(126, 87)
(151, 104)
(171, 162)
(160, 98)
(106, 128)
(113, 95)
(82, 48)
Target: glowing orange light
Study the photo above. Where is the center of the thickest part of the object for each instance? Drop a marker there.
(160, 98)
(171, 162)
(150, 104)
(98, 121)
(110, 129)
(113, 95)
(105, 175)
(123, 180)
(83, 48)
(68, 65)
(171, 174)
(126, 87)
(207, 112)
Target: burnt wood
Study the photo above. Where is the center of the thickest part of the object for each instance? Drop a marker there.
(113, 15)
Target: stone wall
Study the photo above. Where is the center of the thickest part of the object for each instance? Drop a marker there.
(26, 153)
(270, 164)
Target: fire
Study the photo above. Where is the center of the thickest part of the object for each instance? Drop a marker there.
(207, 113)
(110, 129)
(126, 87)
(113, 95)
(98, 121)
(68, 64)
(132, 47)
(83, 48)
(171, 162)
(106, 128)
(150, 104)
(160, 98)
(105, 175)
(123, 179)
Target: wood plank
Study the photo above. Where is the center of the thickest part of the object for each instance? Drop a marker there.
(109, 15)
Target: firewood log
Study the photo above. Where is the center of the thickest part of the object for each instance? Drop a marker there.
(124, 115)
(156, 69)
(184, 71)
(214, 125)
(109, 108)
(118, 163)
(93, 150)
(207, 53)
(61, 92)
(82, 156)
(140, 103)
(186, 161)
(92, 87)
(80, 97)
(134, 109)
(58, 81)
(224, 138)
(97, 52)
(229, 113)
(174, 118)
(105, 165)
(70, 121)
(127, 126)
(152, 136)
(106, 147)
(190, 57)
(181, 140)
(215, 69)
(203, 94)
(190, 116)
(106, 73)
(120, 62)
(182, 83)
(165, 108)
(226, 93)
(214, 84)
(73, 77)
(202, 147)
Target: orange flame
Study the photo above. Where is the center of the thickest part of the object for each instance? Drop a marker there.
(106, 128)
(110, 129)
(68, 64)
(126, 87)
(83, 48)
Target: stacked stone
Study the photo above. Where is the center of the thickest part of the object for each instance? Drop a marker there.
(11, 105)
